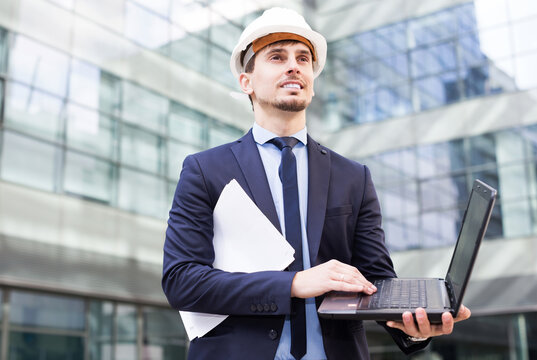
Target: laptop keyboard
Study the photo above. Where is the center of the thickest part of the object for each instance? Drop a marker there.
(405, 294)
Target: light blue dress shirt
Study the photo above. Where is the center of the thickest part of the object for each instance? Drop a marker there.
(271, 158)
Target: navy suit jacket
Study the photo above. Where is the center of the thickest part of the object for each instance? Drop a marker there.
(343, 223)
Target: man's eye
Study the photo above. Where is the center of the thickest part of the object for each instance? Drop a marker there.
(275, 57)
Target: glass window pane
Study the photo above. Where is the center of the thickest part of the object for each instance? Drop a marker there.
(164, 335)
(141, 149)
(159, 6)
(91, 131)
(392, 201)
(68, 4)
(186, 124)
(439, 159)
(50, 311)
(143, 194)
(223, 32)
(437, 90)
(440, 228)
(84, 83)
(522, 8)
(490, 12)
(482, 149)
(28, 162)
(496, 228)
(432, 28)
(37, 65)
(110, 13)
(523, 41)
(33, 112)
(89, 177)
(145, 27)
(465, 17)
(435, 59)
(176, 154)
(495, 43)
(3, 50)
(191, 51)
(393, 101)
(475, 81)
(90, 86)
(143, 107)
(192, 16)
(101, 322)
(222, 135)
(516, 218)
(219, 66)
(526, 76)
(443, 193)
(127, 332)
(32, 346)
(471, 50)
(110, 94)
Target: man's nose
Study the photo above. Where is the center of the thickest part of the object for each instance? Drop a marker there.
(293, 67)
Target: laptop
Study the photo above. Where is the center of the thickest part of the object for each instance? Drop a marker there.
(436, 296)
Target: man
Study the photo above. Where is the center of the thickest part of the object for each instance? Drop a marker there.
(330, 215)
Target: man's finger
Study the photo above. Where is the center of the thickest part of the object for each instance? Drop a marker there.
(463, 314)
(409, 324)
(447, 323)
(423, 323)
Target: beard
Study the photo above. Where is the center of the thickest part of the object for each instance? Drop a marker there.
(286, 105)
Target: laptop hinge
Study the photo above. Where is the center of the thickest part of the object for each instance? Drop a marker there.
(450, 294)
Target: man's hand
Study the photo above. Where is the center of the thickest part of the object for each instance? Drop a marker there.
(332, 275)
(422, 328)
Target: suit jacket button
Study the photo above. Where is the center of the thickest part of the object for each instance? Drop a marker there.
(273, 334)
(266, 307)
(273, 307)
(259, 307)
(253, 308)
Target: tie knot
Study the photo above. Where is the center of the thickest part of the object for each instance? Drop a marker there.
(285, 141)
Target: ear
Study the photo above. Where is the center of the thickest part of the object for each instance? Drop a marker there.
(246, 83)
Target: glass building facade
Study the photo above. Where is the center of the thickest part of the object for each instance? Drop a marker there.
(96, 135)
(461, 52)
(102, 100)
(51, 326)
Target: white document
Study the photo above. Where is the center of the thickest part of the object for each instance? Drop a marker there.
(244, 241)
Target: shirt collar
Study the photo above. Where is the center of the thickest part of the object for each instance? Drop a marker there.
(262, 135)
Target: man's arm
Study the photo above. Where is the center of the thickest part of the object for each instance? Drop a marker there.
(189, 280)
(375, 261)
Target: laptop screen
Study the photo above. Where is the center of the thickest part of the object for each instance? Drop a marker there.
(472, 231)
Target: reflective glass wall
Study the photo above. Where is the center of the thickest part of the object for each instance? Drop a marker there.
(423, 190)
(47, 326)
(478, 338)
(478, 48)
(69, 127)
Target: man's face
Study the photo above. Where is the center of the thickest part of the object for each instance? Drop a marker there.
(283, 77)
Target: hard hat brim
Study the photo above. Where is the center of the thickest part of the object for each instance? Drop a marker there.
(314, 37)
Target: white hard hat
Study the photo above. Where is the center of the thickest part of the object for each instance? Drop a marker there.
(282, 21)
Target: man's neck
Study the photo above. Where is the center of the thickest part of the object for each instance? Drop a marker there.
(281, 123)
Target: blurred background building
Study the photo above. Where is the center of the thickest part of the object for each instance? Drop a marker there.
(102, 100)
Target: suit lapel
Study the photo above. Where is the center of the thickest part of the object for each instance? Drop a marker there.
(247, 155)
(318, 183)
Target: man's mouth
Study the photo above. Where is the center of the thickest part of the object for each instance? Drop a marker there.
(292, 85)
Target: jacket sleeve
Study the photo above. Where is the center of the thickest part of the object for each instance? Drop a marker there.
(189, 280)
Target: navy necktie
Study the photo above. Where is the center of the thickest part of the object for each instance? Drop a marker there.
(293, 234)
